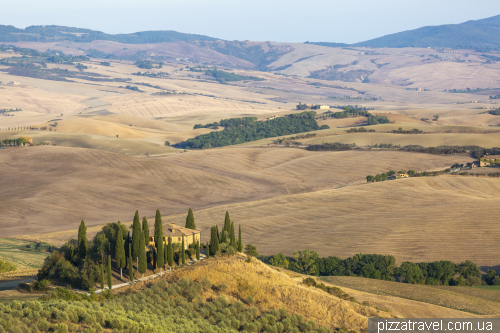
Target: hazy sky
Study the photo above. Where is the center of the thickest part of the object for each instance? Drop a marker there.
(347, 21)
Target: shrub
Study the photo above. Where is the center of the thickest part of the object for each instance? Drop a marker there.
(60, 328)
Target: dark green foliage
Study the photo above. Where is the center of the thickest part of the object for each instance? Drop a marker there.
(198, 250)
(170, 252)
(102, 276)
(183, 252)
(240, 242)
(158, 228)
(190, 220)
(130, 264)
(227, 224)
(251, 250)
(136, 235)
(145, 230)
(110, 276)
(232, 237)
(214, 240)
(120, 258)
(336, 146)
(165, 253)
(468, 269)
(82, 241)
(39, 247)
(127, 243)
(160, 255)
(207, 250)
(495, 112)
(490, 276)
(410, 273)
(143, 264)
(254, 130)
(223, 76)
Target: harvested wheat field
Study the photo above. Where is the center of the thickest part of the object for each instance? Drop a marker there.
(415, 219)
(275, 290)
(61, 186)
(467, 299)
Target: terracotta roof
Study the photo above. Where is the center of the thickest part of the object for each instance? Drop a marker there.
(173, 230)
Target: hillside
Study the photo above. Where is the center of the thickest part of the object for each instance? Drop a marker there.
(481, 34)
(61, 185)
(49, 33)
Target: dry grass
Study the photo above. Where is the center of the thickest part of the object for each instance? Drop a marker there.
(416, 219)
(20, 274)
(25, 261)
(467, 299)
(274, 290)
(59, 186)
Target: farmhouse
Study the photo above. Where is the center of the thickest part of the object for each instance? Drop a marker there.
(27, 140)
(176, 233)
(479, 164)
(324, 107)
(13, 83)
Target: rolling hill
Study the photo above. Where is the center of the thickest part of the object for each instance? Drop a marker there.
(481, 34)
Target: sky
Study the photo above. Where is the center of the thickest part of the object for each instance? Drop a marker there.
(258, 20)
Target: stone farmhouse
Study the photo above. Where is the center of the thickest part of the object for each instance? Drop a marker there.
(176, 233)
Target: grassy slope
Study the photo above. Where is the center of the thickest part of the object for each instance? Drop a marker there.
(9, 251)
(63, 185)
(467, 299)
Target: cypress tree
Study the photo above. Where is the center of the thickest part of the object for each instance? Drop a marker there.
(183, 253)
(207, 251)
(190, 220)
(170, 252)
(160, 256)
(127, 243)
(120, 258)
(232, 237)
(136, 236)
(214, 241)
(82, 241)
(110, 283)
(165, 253)
(102, 276)
(240, 243)
(145, 229)
(143, 264)
(130, 264)
(158, 228)
(227, 223)
(154, 254)
(198, 250)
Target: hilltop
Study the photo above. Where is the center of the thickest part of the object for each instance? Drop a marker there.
(481, 34)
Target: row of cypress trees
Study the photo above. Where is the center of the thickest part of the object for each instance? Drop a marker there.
(130, 250)
(217, 238)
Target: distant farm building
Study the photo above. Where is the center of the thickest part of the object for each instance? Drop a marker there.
(176, 233)
(275, 116)
(399, 176)
(324, 107)
(28, 140)
(13, 83)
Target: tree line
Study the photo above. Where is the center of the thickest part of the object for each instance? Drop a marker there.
(13, 142)
(83, 263)
(249, 129)
(382, 267)
(223, 76)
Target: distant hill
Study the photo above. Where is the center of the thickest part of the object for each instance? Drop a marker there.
(50, 33)
(481, 34)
